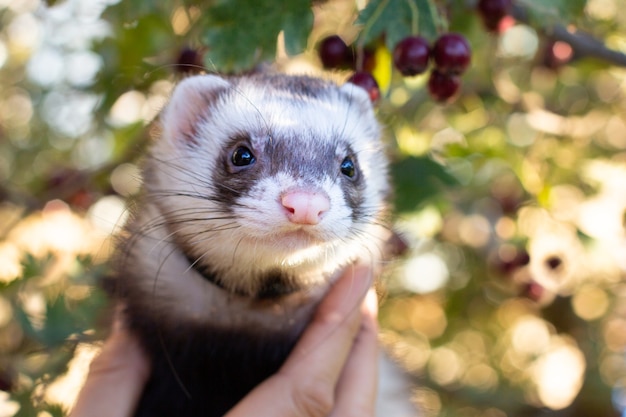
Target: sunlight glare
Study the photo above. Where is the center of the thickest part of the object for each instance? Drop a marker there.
(127, 109)
(8, 407)
(10, 266)
(601, 9)
(530, 336)
(108, 214)
(520, 41)
(64, 390)
(590, 303)
(425, 273)
(445, 366)
(559, 375)
(56, 229)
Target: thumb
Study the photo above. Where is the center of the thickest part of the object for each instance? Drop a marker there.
(116, 378)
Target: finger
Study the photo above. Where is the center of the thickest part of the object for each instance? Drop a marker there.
(116, 378)
(338, 312)
(358, 384)
(305, 385)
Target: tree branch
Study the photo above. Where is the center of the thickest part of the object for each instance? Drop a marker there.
(583, 44)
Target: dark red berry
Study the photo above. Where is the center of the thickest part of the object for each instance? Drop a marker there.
(366, 81)
(557, 54)
(7, 380)
(492, 12)
(82, 199)
(533, 291)
(506, 262)
(368, 59)
(397, 244)
(452, 53)
(333, 52)
(554, 262)
(189, 61)
(443, 87)
(410, 56)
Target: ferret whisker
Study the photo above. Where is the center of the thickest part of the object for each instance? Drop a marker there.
(209, 234)
(193, 264)
(186, 173)
(166, 352)
(232, 190)
(196, 220)
(256, 109)
(181, 194)
(236, 249)
(346, 119)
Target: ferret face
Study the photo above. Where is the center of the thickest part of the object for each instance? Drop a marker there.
(269, 175)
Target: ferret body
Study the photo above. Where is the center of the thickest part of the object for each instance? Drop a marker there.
(258, 192)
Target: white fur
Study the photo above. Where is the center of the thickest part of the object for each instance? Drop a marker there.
(263, 237)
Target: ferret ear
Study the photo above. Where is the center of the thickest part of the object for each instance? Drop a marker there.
(358, 94)
(188, 105)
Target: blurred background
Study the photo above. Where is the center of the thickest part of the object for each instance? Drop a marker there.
(510, 300)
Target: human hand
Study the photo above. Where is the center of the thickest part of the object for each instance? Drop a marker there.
(332, 370)
(116, 377)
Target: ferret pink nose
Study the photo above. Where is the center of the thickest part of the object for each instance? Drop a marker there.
(305, 207)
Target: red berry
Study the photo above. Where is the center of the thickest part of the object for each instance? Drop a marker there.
(410, 56)
(442, 86)
(554, 262)
(82, 199)
(533, 291)
(366, 81)
(506, 23)
(368, 59)
(452, 53)
(189, 61)
(333, 52)
(556, 54)
(506, 262)
(492, 11)
(8, 380)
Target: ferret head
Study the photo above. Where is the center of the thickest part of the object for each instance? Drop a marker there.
(269, 181)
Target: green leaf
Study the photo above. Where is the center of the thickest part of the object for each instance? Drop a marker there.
(397, 19)
(55, 410)
(242, 33)
(27, 408)
(297, 29)
(22, 319)
(59, 324)
(34, 267)
(549, 12)
(124, 13)
(134, 56)
(417, 179)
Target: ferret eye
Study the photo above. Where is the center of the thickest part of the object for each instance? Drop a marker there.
(242, 156)
(347, 167)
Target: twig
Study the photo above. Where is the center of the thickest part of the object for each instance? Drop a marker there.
(583, 44)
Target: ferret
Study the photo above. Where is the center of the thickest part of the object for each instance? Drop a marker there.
(258, 191)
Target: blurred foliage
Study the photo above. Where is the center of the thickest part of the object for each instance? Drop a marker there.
(397, 19)
(510, 301)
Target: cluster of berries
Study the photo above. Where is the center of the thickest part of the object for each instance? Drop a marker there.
(335, 53)
(451, 55)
